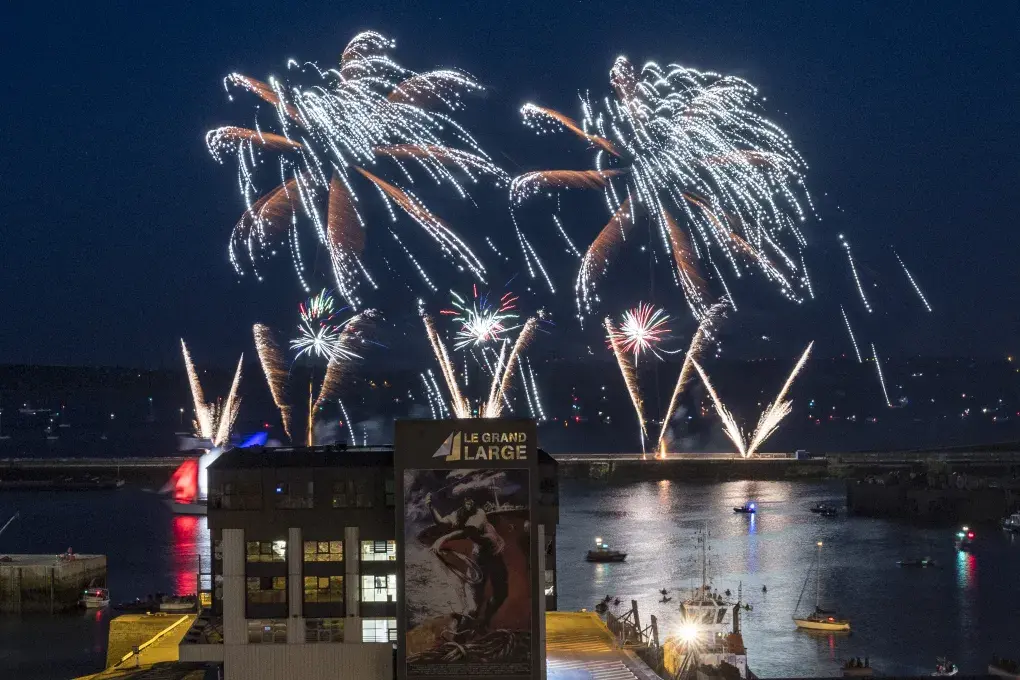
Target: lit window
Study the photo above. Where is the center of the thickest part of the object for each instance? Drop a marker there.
(378, 630)
(267, 631)
(381, 588)
(324, 630)
(324, 551)
(266, 589)
(266, 551)
(324, 588)
(550, 582)
(378, 551)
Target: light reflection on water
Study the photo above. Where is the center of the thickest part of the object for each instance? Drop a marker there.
(903, 618)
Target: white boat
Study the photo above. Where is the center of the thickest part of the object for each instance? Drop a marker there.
(1012, 523)
(195, 507)
(819, 619)
(183, 603)
(95, 598)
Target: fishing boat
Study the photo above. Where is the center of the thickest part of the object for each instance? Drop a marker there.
(819, 619)
(748, 508)
(964, 538)
(1012, 523)
(602, 553)
(95, 598)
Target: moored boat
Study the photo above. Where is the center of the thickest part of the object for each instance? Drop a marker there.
(95, 598)
(1012, 523)
(819, 619)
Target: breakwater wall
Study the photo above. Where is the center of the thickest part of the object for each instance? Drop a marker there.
(969, 506)
(45, 583)
(692, 469)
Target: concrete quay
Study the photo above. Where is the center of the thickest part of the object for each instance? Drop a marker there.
(46, 583)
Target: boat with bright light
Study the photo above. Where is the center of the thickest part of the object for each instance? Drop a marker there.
(748, 508)
(602, 553)
(820, 619)
(964, 538)
(95, 598)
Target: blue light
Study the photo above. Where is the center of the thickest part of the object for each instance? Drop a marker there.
(257, 439)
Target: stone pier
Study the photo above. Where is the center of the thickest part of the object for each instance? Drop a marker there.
(46, 583)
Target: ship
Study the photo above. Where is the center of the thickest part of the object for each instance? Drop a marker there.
(602, 553)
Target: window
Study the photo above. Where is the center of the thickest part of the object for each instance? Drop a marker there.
(234, 496)
(266, 589)
(267, 631)
(324, 551)
(379, 588)
(356, 493)
(390, 493)
(266, 551)
(550, 582)
(378, 630)
(324, 630)
(324, 588)
(378, 551)
(297, 495)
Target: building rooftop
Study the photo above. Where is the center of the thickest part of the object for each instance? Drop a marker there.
(331, 455)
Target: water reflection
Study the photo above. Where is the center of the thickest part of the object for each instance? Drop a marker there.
(189, 540)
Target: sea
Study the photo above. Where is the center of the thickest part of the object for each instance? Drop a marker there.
(966, 608)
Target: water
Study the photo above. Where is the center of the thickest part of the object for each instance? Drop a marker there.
(902, 618)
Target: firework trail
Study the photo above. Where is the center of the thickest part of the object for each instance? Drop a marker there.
(697, 343)
(212, 421)
(777, 410)
(676, 141)
(203, 417)
(347, 420)
(534, 391)
(917, 289)
(228, 412)
(851, 332)
(729, 423)
(853, 269)
(481, 322)
(275, 370)
(494, 408)
(629, 379)
(881, 378)
(339, 361)
(368, 111)
(459, 404)
(642, 329)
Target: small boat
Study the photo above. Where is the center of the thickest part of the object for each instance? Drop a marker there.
(1012, 523)
(602, 553)
(95, 598)
(819, 619)
(825, 510)
(964, 538)
(917, 562)
(945, 667)
(747, 508)
(183, 603)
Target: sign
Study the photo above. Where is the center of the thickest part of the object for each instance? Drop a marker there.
(468, 554)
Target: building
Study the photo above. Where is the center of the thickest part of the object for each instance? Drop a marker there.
(304, 574)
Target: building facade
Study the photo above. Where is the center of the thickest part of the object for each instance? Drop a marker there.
(304, 573)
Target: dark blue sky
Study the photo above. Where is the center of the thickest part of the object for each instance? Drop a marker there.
(115, 220)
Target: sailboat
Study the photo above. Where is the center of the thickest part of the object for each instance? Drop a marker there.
(819, 619)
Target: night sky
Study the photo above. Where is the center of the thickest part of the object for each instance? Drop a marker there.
(115, 220)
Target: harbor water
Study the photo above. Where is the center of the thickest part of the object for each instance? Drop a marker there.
(903, 618)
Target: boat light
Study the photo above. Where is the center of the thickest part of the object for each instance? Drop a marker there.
(970, 534)
(598, 541)
(688, 632)
(966, 528)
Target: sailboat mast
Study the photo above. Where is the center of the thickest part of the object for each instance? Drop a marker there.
(818, 578)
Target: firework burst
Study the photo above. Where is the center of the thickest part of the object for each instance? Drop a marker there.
(366, 112)
(678, 142)
(641, 330)
(319, 332)
(481, 321)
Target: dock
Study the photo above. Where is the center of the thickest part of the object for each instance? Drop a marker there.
(156, 637)
(47, 583)
(578, 646)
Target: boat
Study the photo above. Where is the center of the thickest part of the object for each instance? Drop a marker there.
(945, 667)
(917, 562)
(1012, 523)
(825, 510)
(709, 633)
(964, 538)
(602, 553)
(95, 598)
(195, 507)
(819, 619)
(179, 603)
(747, 508)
